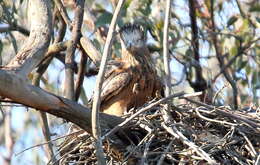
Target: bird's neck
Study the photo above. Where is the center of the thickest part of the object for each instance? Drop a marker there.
(136, 57)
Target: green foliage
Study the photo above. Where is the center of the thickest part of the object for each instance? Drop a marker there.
(255, 8)
(236, 37)
(232, 20)
(103, 19)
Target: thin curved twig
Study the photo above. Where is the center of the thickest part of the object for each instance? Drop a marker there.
(148, 107)
(166, 59)
(100, 77)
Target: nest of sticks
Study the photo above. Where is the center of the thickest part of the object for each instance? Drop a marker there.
(198, 133)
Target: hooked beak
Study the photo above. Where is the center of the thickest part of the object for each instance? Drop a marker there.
(129, 45)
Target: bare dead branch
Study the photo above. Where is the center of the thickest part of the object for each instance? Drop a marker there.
(178, 135)
(228, 113)
(166, 59)
(47, 142)
(100, 77)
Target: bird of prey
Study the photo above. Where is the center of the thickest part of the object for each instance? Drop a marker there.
(132, 80)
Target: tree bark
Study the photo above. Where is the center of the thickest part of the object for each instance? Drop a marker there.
(17, 89)
(40, 34)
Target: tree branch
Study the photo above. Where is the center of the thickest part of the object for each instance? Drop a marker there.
(81, 75)
(16, 88)
(99, 82)
(43, 117)
(15, 27)
(166, 60)
(63, 13)
(91, 50)
(9, 141)
(36, 46)
(200, 83)
(69, 59)
(221, 58)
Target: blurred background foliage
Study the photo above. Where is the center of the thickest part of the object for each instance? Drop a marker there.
(235, 33)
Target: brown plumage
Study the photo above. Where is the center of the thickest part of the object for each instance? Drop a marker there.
(132, 80)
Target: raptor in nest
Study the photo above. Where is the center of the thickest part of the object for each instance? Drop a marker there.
(132, 81)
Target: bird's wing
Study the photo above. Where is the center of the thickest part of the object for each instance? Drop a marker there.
(114, 84)
(112, 66)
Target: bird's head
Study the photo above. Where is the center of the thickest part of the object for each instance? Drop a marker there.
(132, 36)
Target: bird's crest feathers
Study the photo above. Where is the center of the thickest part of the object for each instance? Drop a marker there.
(133, 35)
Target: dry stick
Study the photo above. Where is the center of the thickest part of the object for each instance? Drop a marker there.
(100, 77)
(91, 50)
(218, 92)
(257, 162)
(173, 130)
(43, 117)
(41, 144)
(135, 147)
(167, 118)
(147, 145)
(252, 150)
(47, 135)
(66, 154)
(56, 47)
(166, 55)
(213, 120)
(69, 59)
(148, 107)
(63, 13)
(227, 114)
(177, 134)
(164, 153)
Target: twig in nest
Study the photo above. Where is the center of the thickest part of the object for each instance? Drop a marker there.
(251, 149)
(147, 145)
(229, 114)
(163, 155)
(141, 111)
(38, 145)
(213, 120)
(177, 134)
(218, 92)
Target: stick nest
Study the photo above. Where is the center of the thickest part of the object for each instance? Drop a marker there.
(199, 133)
